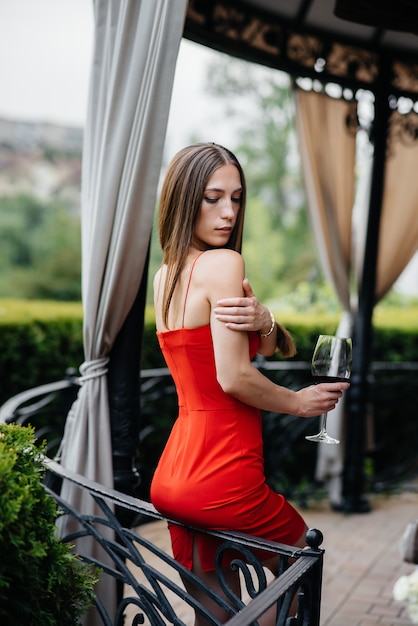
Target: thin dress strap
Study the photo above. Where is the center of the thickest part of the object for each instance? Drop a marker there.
(187, 289)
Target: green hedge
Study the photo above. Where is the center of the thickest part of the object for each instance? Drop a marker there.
(40, 340)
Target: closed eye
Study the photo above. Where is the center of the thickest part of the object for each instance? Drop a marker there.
(236, 200)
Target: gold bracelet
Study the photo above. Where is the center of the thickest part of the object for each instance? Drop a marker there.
(273, 324)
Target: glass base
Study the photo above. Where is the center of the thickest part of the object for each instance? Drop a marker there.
(322, 438)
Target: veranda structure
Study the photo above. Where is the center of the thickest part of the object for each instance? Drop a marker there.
(357, 46)
(136, 48)
(136, 45)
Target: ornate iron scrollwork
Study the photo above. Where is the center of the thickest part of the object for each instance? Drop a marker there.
(253, 33)
(153, 581)
(352, 63)
(403, 127)
(405, 76)
(304, 50)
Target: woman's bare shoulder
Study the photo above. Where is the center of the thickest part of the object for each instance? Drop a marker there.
(221, 256)
(158, 280)
(159, 274)
(220, 267)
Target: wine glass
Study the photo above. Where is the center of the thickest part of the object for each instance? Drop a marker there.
(331, 363)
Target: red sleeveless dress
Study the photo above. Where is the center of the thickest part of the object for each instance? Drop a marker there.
(211, 472)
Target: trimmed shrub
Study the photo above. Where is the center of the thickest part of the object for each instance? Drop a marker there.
(41, 582)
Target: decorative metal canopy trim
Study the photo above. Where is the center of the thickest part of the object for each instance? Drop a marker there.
(255, 35)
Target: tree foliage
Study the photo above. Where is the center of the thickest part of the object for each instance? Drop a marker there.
(278, 244)
(40, 249)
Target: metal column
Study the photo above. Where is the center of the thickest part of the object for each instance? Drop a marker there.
(124, 393)
(354, 500)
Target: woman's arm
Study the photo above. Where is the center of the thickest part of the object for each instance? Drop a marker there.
(246, 313)
(223, 276)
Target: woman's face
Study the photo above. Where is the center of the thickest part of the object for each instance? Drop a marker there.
(219, 209)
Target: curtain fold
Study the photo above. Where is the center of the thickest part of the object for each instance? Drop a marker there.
(328, 161)
(328, 151)
(398, 236)
(328, 154)
(134, 59)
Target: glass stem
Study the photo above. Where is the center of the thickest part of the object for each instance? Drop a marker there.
(324, 422)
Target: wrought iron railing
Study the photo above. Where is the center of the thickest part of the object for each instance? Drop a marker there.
(150, 594)
(151, 586)
(390, 446)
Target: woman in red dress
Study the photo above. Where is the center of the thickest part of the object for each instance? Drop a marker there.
(211, 472)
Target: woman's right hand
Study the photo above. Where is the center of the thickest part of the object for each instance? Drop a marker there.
(317, 399)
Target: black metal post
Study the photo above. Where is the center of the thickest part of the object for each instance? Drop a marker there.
(354, 500)
(124, 393)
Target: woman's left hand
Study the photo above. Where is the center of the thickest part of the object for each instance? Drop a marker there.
(244, 313)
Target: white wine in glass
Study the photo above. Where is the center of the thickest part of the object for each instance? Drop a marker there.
(331, 363)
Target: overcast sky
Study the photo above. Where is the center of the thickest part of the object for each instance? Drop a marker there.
(45, 52)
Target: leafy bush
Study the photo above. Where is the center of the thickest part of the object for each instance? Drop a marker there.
(41, 582)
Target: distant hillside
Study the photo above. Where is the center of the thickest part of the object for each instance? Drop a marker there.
(23, 136)
(41, 159)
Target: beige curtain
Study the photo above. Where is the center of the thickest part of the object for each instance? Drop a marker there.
(135, 52)
(328, 160)
(328, 153)
(398, 237)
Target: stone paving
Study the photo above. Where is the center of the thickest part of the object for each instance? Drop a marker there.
(361, 563)
(363, 560)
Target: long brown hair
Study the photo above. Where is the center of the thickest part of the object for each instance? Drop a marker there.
(180, 200)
